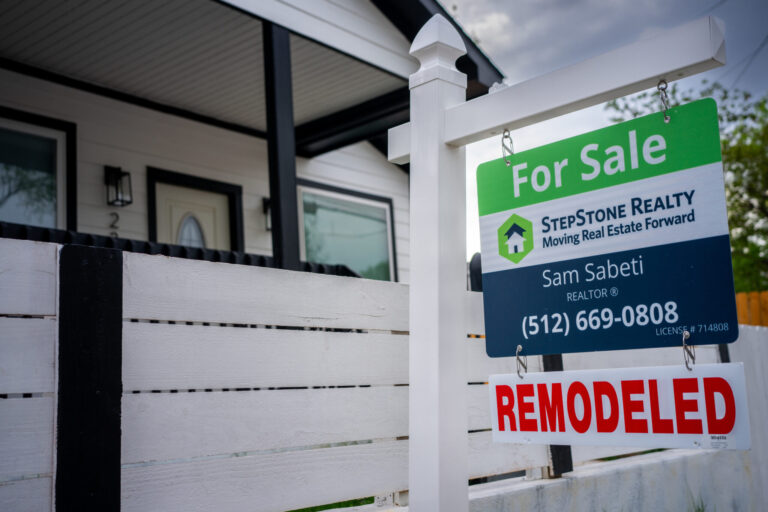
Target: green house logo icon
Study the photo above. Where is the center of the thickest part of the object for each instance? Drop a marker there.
(515, 238)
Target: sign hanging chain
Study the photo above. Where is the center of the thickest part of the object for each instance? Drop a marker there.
(662, 88)
(507, 148)
(689, 352)
(521, 362)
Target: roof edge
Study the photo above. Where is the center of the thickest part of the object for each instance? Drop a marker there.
(410, 15)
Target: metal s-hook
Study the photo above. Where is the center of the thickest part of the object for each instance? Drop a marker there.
(507, 148)
(662, 88)
(689, 352)
(521, 363)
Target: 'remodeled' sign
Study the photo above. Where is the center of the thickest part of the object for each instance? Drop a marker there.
(614, 239)
(660, 407)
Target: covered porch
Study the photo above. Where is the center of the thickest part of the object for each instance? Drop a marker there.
(287, 104)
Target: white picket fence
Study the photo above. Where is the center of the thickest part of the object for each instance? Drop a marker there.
(246, 388)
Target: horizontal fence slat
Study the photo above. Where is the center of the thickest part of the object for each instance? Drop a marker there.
(166, 356)
(27, 277)
(294, 479)
(27, 355)
(487, 458)
(26, 437)
(163, 288)
(162, 426)
(177, 356)
(268, 482)
(167, 426)
(478, 407)
(582, 454)
(475, 315)
(705, 354)
(32, 495)
(480, 366)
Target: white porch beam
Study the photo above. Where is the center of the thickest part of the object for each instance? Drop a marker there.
(673, 54)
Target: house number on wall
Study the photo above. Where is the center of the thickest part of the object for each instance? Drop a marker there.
(113, 225)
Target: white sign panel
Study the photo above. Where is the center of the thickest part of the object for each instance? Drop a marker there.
(657, 407)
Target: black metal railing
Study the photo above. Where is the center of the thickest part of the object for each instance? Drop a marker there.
(60, 236)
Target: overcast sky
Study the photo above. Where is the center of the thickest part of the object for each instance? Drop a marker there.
(527, 38)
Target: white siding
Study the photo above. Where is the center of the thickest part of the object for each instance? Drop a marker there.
(361, 167)
(116, 133)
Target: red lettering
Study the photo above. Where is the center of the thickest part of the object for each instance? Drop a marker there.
(579, 425)
(658, 424)
(682, 386)
(551, 410)
(524, 408)
(629, 388)
(505, 410)
(605, 389)
(725, 424)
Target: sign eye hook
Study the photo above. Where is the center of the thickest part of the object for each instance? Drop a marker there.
(521, 362)
(507, 148)
(689, 352)
(662, 88)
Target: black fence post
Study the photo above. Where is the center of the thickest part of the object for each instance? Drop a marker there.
(90, 379)
(562, 459)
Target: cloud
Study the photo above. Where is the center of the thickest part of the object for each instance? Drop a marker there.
(527, 38)
(492, 30)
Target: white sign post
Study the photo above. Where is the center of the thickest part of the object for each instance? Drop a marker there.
(441, 124)
(437, 401)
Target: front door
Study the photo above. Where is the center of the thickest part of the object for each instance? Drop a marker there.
(192, 217)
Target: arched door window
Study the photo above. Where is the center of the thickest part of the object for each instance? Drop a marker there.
(191, 233)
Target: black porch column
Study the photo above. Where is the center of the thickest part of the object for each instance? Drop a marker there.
(281, 143)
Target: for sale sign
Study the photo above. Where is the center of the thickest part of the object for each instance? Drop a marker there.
(660, 407)
(614, 239)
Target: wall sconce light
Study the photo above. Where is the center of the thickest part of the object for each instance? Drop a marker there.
(266, 208)
(118, 182)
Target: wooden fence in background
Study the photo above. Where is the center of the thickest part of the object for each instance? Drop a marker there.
(752, 308)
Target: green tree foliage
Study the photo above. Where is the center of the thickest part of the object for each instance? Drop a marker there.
(744, 144)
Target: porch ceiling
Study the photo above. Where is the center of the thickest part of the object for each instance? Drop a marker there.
(195, 55)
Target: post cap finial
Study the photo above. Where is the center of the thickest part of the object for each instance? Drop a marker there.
(437, 45)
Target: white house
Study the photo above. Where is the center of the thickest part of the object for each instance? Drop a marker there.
(250, 127)
(240, 131)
